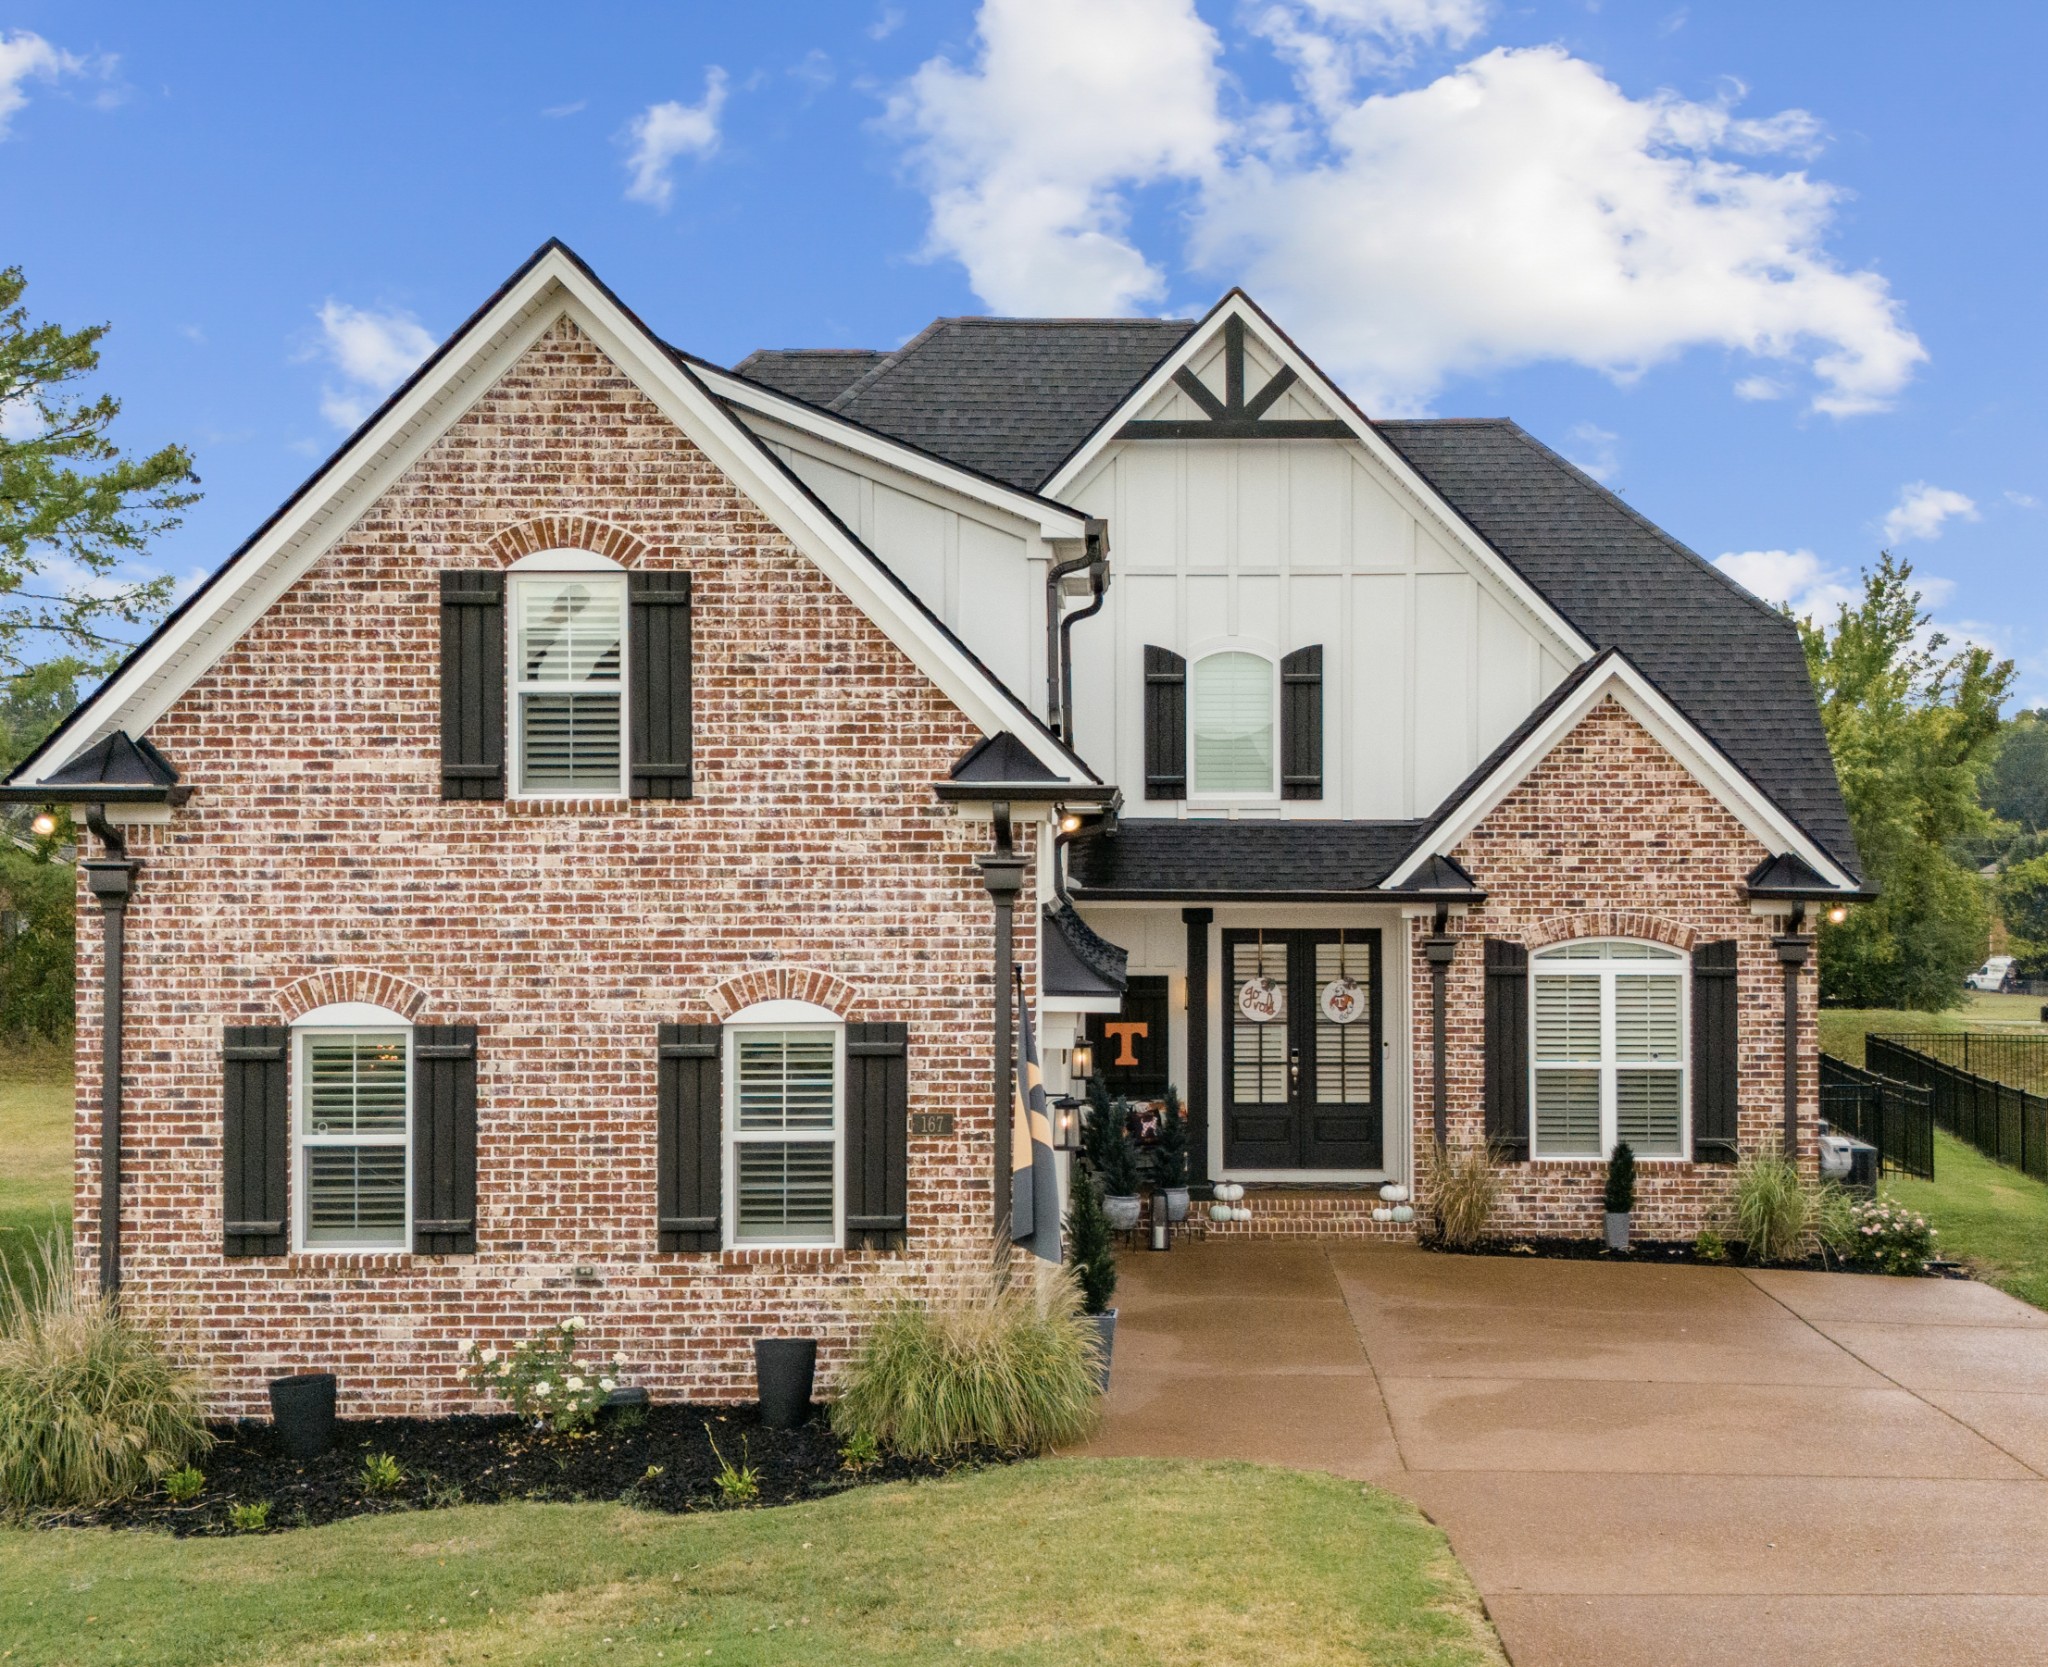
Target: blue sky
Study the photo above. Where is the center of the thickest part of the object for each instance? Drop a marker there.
(1775, 272)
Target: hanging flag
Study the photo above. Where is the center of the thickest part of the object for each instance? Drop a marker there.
(1034, 1179)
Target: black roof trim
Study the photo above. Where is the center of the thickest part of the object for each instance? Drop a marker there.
(1154, 859)
(1078, 960)
(999, 758)
(1441, 879)
(1789, 877)
(116, 760)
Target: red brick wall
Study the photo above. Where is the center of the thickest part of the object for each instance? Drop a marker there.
(316, 861)
(1610, 837)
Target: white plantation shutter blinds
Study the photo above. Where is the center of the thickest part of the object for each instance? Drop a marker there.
(1233, 724)
(353, 1133)
(1610, 1049)
(1645, 1019)
(1567, 1020)
(785, 1136)
(568, 663)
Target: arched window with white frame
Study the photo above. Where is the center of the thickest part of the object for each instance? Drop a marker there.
(351, 1076)
(1609, 1025)
(568, 675)
(785, 1075)
(1233, 707)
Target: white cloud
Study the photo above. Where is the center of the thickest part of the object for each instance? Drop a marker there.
(24, 55)
(2022, 500)
(1760, 387)
(374, 352)
(1921, 511)
(1027, 154)
(555, 112)
(1520, 209)
(1595, 450)
(892, 19)
(663, 132)
(1797, 577)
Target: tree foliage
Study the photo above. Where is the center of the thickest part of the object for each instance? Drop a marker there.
(73, 508)
(2016, 785)
(1913, 724)
(2023, 906)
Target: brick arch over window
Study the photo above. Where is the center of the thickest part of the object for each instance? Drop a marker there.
(340, 984)
(567, 532)
(821, 989)
(1609, 923)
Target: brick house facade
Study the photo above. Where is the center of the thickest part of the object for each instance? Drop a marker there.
(846, 680)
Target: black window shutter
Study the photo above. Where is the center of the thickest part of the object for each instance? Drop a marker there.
(658, 668)
(472, 684)
(877, 1136)
(689, 1127)
(256, 1140)
(1301, 724)
(1507, 1048)
(444, 1140)
(1714, 1055)
(1166, 724)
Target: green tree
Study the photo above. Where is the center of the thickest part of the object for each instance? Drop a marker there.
(2023, 906)
(2016, 785)
(73, 508)
(1913, 724)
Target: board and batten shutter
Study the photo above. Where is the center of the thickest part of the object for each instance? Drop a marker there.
(444, 1140)
(472, 684)
(256, 1140)
(658, 674)
(1301, 724)
(1715, 1061)
(1507, 1049)
(689, 1127)
(877, 1136)
(1166, 724)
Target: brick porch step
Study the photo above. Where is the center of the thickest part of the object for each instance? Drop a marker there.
(1308, 1212)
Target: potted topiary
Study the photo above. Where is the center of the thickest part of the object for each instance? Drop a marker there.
(1094, 1262)
(1621, 1195)
(1115, 1162)
(1170, 1158)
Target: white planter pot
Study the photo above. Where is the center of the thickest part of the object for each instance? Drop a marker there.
(1176, 1204)
(1105, 1329)
(1122, 1212)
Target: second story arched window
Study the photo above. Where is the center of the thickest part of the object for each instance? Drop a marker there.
(1231, 726)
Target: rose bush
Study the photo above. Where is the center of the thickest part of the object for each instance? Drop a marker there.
(540, 1379)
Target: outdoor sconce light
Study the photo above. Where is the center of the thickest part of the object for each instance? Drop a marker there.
(1070, 823)
(44, 825)
(1066, 1125)
(1081, 1061)
(1162, 1229)
(1837, 915)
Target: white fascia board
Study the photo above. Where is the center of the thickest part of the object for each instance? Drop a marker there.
(553, 287)
(1425, 497)
(1053, 520)
(1672, 730)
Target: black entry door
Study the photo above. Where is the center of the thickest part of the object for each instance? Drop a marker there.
(1301, 1090)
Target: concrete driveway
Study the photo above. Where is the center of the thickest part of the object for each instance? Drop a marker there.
(1640, 1466)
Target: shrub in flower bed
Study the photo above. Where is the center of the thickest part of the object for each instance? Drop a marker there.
(1885, 1235)
(540, 1378)
(668, 1459)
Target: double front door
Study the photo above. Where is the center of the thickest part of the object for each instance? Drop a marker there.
(1301, 1050)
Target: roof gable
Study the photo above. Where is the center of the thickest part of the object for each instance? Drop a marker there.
(552, 284)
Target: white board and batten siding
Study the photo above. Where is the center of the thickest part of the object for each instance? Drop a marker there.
(1429, 660)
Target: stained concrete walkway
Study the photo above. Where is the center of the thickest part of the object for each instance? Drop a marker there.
(1640, 1466)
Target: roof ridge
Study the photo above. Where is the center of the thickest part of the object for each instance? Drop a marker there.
(881, 366)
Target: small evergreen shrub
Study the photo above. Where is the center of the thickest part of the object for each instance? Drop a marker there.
(1170, 1156)
(1464, 1187)
(992, 1357)
(540, 1378)
(1089, 1250)
(91, 1408)
(1116, 1158)
(1621, 1179)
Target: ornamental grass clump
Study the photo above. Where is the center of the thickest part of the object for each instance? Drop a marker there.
(991, 1357)
(1464, 1187)
(1780, 1215)
(91, 1408)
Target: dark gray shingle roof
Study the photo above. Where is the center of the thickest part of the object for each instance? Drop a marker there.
(815, 374)
(1731, 663)
(1150, 857)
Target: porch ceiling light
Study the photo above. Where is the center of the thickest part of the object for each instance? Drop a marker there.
(1070, 823)
(1081, 1061)
(1838, 914)
(44, 825)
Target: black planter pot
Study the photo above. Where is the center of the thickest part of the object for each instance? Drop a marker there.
(784, 1368)
(633, 1401)
(302, 1412)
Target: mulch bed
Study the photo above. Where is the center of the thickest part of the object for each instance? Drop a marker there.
(661, 1460)
(1669, 1250)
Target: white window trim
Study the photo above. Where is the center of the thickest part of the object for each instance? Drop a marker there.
(545, 567)
(782, 1015)
(1196, 799)
(347, 1018)
(1607, 969)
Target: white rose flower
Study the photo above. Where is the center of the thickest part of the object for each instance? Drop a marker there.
(504, 1368)
(619, 1359)
(541, 1390)
(573, 1384)
(607, 1385)
(469, 1347)
(487, 1356)
(572, 1324)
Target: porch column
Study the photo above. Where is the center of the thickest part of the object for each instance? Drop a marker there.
(1197, 921)
(1793, 949)
(1002, 871)
(111, 878)
(1440, 947)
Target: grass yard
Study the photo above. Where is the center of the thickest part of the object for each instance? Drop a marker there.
(1121, 1560)
(1991, 1216)
(35, 1148)
(1842, 1029)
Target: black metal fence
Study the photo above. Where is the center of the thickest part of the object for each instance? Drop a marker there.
(2019, 1060)
(1895, 1117)
(1999, 1119)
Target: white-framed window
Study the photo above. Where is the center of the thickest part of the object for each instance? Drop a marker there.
(351, 1076)
(1233, 727)
(785, 1108)
(568, 676)
(1608, 1026)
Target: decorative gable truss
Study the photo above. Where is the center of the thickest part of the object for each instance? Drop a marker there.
(552, 285)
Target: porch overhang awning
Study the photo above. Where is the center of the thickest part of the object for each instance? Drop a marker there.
(1076, 962)
(112, 771)
(1789, 878)
(1001, 769)
(1439, 880)
(1280, 860)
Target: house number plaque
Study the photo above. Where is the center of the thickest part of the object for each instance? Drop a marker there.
(931, 1122)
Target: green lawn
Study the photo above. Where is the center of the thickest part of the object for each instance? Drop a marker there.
(1842, 1029)
(35, 1148)
(1062, 1561)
